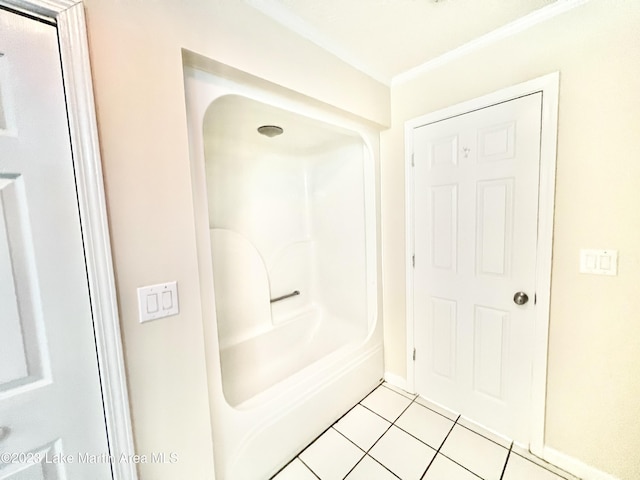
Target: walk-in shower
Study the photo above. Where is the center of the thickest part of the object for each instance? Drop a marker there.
(284, 196)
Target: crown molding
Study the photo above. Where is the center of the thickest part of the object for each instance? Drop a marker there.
(517, 26)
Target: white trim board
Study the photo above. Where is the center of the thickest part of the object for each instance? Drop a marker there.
(574, 466)
(548, 85)
(68, 16)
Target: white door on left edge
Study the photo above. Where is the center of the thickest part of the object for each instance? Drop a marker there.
(50, 397)
(476, 219)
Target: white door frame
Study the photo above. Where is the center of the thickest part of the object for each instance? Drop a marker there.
(549, 86)
(68, 16)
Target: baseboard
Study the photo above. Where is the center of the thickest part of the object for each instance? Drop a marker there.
(396, 381)
(574, 466)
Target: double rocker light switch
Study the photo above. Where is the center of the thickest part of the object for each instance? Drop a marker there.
(599, 262)
(158, 301)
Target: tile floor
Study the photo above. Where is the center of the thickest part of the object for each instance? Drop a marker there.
(394, 435)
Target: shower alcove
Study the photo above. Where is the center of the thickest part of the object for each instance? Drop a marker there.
(286, 237)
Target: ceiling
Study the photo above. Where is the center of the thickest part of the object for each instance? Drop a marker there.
(385, 38)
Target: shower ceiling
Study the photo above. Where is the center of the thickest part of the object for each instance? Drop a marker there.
(235, 119)
(384, 38)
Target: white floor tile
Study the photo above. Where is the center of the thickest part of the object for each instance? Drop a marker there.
(386, 403)
(405, 450)
(369, 469)
(438, 409)
(296, 470)
(402, 454)
(362, 427)
(444, 469)
(331, 456)
(429, 426)
(519, 468)
(483, 457)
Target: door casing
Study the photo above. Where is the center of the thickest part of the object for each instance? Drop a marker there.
(549, 86)
(68, 16)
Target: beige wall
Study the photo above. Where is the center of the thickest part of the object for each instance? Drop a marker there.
(593, 406)
(135, 46)
(135, 49)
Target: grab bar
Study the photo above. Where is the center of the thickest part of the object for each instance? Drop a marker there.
(283, 297)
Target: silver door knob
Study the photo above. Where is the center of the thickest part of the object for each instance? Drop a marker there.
(520, 298)
(4, 433)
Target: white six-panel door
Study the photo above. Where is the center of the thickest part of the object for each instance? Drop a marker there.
(475, 216)
(51, 416)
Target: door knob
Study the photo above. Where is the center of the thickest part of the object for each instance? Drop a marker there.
(520, 298)
(4, 433)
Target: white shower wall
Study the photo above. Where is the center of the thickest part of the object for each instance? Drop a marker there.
(338, 225)
(295, 220)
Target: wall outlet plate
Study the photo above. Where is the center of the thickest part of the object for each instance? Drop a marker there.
(158, 301)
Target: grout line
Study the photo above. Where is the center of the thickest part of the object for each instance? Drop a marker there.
(312, 441)
(383, 466)
(346, 413)
(451, 459)
(461, 466)
(416, 438)
(330, 426)
(285, 466)
(440, 447)
(504, 469)
(357, 463)
(351, 441)
(391, 424)
(376, 413)
(310, 469)
(405, 408)
(455, 422)
(383, 434)
(356, 445)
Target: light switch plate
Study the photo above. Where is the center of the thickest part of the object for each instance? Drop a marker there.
(599, 262)
(158, 301)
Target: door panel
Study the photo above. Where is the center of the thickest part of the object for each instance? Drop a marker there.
(490, 352)
(444, 226)
(50, 396)
(22, 359)
(496, 142)
(476, 188)
(494, 233)
(443, 337)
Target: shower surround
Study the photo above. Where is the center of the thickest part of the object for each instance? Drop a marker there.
(286, 229)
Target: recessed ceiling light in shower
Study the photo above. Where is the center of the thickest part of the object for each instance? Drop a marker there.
(270, 130)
